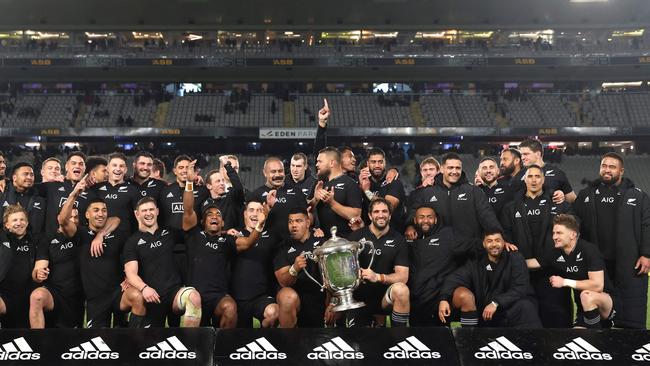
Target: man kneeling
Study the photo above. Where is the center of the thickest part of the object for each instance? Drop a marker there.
(498, 282)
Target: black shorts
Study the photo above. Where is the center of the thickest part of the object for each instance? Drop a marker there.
(372, 294)
(208, 305)
(17, 315)
(254, 308)
(68, 310)
(312, 310)
(157, 313)
(605, 323)
(99, 311)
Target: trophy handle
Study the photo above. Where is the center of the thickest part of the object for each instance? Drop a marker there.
(310, 255)
(362, 244)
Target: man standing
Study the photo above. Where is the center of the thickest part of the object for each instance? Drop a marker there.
(556, 181)
(615, 216)
(373, 182)
(21, 192)
(496, 190)
(384, 288)
(142, 176)
(458, 204)
(301, 178)
(496, 283)
(578, 265)
(230, 201)
(336, 197)
(102, 277)
(510, 164)
(210, 253)
(51, 170)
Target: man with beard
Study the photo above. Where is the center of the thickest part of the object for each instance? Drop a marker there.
(301, 302)
(373, 182)
(510, 164)
(336, 197)
(142, 178)
(119, 195)
(251, 284)
(17, 256)
(51, 170)
(211, 252)
(429, 168)
(497, 191)
(280, 199)
(528, 223)
(301, 178)
(384, 289)
(230, 201)
(433, 255)
(59, 301)
(148, 258)
(577, 264)
(458, 204)
(615, 216)
(56, 193)
(3, 170)
(100, 248)
(496, 282)
(21, 192)
(556, 181)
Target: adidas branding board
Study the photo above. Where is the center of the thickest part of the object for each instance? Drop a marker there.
(18, 350)
(579, 349)
(642, 354)
(410, 348)
(502, 349)
(259, 349)
(336, 349)
(95, 349)
(169, 349)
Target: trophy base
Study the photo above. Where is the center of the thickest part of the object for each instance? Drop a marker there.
(345, 301)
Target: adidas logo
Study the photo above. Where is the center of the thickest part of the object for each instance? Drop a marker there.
(586, 199)
(95, 349)
(102, 188)
(141, 241)
(18, 349)
(260, 349)
(579, 349)
(560, 259)
(170, 349)
(502, 349)
(291, 250)
(170, 195)
(410, 348)
(7, 244)
(336, 349)
(488, 267)
(61, 189)
(517, 214)
(5, 204)
(433, 199)
(642, 354)
(55, 241)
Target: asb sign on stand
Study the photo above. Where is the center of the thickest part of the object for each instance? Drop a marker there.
(501, 346)
(362, 346)
(155, 346)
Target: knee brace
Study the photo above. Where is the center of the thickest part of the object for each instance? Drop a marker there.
(186, 305)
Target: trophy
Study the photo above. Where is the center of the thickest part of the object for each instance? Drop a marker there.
(338, 260)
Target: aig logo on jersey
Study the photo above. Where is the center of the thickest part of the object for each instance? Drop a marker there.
(410, 348)
(336, 349)
(579, 349)
(169, 349)
(95, 349)
(502, 349)
(177, 207)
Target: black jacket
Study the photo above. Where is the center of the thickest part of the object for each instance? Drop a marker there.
(510, 281)
(431, 259)
(36, 206)
(463, 207)
(632, 241)
(517, 231)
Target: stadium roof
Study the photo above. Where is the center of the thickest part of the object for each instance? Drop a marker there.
(283, 14)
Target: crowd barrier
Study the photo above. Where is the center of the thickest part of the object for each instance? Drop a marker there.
(330, 346)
